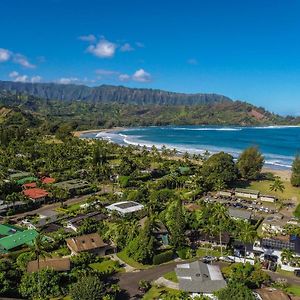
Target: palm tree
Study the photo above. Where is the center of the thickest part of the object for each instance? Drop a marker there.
(247, 234)
(287, 255)
(277, 185)
(220, 218)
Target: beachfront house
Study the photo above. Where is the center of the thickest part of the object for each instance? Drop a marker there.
(247, 193)
(198, 278)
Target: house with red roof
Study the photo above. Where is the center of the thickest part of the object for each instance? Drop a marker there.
(48, 180)
(29, 185)
(36, 194)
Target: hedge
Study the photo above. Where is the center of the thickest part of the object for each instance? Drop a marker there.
(163, 257)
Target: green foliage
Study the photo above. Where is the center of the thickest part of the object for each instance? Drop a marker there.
(163, 257)
(83, 260)
(87, 288)
(183, 253)
(218, 168)
(175, 222)
(250, 163)
(235, 291)
(44, 284)
(295, 178)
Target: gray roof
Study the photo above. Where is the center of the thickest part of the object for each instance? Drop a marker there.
(198, 277)
(239, 213)
(247, 191)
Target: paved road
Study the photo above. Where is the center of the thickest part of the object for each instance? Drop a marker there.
(53, 206)
(130, 281)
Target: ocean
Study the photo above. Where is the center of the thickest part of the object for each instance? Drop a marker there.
(279, 144)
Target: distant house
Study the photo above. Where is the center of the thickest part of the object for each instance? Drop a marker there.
(74, 223)
(73, 186)
(57, 264)
(91, 243)
(225, 193)
(275, 223)
(239, 214)
(36, 194)
(7, 229)
(125, 207)
(47, 180)
(17, 240)
(199, 278)
(27, 180)
(29, 185)
(268, 198)
(247, 193)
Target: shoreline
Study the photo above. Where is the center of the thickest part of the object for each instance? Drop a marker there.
(284, 174)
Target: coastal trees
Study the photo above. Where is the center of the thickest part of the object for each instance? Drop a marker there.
(295, 179)
(277, 185)
(87, 288)
(218, 168)
(250, 163)
(175, 222)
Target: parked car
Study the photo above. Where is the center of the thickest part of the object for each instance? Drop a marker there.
(208, 259)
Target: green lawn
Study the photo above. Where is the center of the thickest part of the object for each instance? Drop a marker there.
(264, 187)
(171, 276)
(106, 266)
(294, 289)
(131, 262)
(203, 252)
(155, 293)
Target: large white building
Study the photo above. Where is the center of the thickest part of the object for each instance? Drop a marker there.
(125, 207)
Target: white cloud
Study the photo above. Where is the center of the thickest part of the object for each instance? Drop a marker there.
(141, 76)
(126, 48)
(124, 77)
(4, 55)
(24, 78)
(68, 80)
(35, 79)
(23, 61)
(88, 38)
(192, 61)
(103, 48)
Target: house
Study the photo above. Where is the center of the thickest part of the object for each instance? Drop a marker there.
(91, 243)
(6, 230)
(268, 198)
(75, 223)
(29, 185)
(239, 214)
(17, 240)
(29, 179)
(199, 278)
(36, 194)
(247, 193)
(125, 207)
(73, 186)
(276, 223)
(57, 264)
(47, 180)
(225, 193)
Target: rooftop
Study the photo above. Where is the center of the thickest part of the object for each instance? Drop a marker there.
(125, 207)
(85, 242)
(247, 191)
(6, 230)
(48, 180)
(198, 277)
(72, 184)
(57, 264)
(35, 193)
(18, 239)
(239, 213)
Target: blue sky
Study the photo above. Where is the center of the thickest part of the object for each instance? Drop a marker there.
(247, 50)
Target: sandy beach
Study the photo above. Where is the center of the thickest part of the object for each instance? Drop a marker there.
(285, 175)
(79, 133)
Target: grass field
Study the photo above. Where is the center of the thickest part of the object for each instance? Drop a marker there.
(131, 262)
(203, 252)
(107, 266)
(171, 276)
(294, 289)
(155, 293)
(264, 187)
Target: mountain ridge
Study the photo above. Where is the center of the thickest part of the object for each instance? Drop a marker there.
(110, 93)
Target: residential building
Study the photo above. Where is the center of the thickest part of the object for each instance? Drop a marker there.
(91, 243)
(57, 264)
(125, 207)
(36, 194)
(268, 198)
(247, 193)
(73, 186)
(199, 278)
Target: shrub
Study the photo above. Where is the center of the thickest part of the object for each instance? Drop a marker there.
(163, 257)
(183, 253)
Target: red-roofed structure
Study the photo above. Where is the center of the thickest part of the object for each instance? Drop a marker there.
(36, 194)
(30, 185)
(48, 180)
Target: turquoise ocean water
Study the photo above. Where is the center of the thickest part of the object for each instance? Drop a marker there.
(279, 144)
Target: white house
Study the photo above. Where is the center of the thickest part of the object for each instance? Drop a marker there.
(125, 207)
